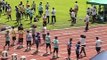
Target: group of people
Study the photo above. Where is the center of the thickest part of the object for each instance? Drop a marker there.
(33, 37)
(29, 11)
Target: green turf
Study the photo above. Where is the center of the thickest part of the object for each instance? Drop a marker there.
(62, 13)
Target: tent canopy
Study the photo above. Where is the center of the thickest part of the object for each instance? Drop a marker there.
(97, 2)
(101, 56)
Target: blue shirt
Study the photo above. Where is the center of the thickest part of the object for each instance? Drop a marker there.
(28, 37)
(7, 37)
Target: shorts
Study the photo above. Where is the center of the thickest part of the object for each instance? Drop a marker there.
(56, 50)
(13, 38)
(28, 43)
(20, 40)
(98, 48)
(48, 45)
(7, 43)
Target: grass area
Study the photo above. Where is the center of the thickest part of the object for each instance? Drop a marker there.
(62, 13)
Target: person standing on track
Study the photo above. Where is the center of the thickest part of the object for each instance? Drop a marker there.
(77, 50)
(48, 42)
(83, 44)
(7, 40)
(13, 36)
(28, 39)
(98, 44)
(20, 40)
(37, 41)
(56, 47)
(44, 31)
(69, 45)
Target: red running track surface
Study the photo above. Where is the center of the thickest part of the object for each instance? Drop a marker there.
(63, 36)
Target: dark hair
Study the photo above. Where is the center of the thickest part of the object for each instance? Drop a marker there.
(12, 27)
(82, 36)
(53, 8)
(76, 1)
(70, 39)
(48, 33)
(78, 42)
(97, 38)
(56, 37)
(28, 31)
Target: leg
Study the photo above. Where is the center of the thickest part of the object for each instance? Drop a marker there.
(57, 52)
(84, 51)
(50, 47)
(54, 19)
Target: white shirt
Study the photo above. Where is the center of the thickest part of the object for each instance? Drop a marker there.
(44, 17)
(94, 12)
(98, 43)
(53, 12)
(89, 10)
(82, 40)
(76, 6)
(44, 30)
(73, 14)
(87, 18)
(47, 12)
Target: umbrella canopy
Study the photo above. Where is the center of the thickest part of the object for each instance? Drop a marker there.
(97, 2)
(101, 56)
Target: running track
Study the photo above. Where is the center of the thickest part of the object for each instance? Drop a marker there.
(64, 35)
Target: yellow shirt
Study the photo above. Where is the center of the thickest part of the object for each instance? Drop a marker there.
(13, 33)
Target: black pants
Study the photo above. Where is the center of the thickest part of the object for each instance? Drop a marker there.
(53, 19)
(77, 54)
(34, 9)
(48, 19)
(28, 43)
(55, 50)
(98, 49)
(86, 28)
(40, 13)
(7, 43)
(69, 51)
(83, 50)
(73, 20)
(31, 19)
(48, 45)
